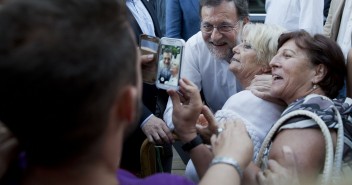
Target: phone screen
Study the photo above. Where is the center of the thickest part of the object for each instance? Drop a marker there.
(169, 66)
(149, 45)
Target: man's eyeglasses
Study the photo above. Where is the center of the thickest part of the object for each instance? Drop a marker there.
(208, 28)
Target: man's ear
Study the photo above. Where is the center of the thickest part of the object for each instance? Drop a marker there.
(245, 20)
(320, 72)
(126, 104)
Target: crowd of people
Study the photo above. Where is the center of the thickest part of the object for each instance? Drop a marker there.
(74, 108)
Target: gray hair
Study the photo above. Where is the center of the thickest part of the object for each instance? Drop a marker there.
(241, 6)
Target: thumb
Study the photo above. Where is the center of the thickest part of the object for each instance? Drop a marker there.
(147, 58)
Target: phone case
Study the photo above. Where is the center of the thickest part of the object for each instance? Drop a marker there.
(170, 60)
(149, 45)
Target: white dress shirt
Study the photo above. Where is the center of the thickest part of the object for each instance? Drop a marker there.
(142, 16)
(296, 14)
(210, 74)
(345, 32)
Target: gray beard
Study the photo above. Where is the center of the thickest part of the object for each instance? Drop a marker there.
(222, 56)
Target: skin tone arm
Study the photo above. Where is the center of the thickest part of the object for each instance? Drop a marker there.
(349, 74)
(185, 117)
(309, 147)
(277, 174)
(233, 142)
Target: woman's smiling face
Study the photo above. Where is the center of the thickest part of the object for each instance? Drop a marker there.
(292, 71)
(244, 61)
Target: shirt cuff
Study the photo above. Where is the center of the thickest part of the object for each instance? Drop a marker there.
(146, 120)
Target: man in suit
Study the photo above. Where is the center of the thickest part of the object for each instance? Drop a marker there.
(143, 20)
(182, 18)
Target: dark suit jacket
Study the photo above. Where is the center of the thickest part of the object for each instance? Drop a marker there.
(182, 18)
(130, 153)
(149, 91)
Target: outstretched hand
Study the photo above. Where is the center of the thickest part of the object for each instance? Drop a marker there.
(187, 106)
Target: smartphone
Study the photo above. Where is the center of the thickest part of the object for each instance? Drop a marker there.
(149, 45)
(170, 61)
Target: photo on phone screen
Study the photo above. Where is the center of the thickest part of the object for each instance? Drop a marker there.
(170, 57)
(149, 45)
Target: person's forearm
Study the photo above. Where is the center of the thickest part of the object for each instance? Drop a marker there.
(223, 174)
(201, 157)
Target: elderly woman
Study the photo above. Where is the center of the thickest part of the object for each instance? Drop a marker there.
(250, 58)
(306, 71)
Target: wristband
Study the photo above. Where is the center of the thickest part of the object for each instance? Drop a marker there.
(192, 144)
(227, 160)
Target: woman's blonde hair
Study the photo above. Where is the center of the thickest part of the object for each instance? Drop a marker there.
(264, 39)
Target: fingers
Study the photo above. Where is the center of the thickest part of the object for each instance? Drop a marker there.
(285, 173)
(264, 177)
(259, 94)
(175, 99)
(213, 140)
(169, 138)
(147, 58)
(261, 83)
(158, 136)
(187, 87)
(209, 116)
(289, 156)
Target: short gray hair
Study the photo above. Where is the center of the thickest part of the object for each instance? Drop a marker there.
(264, 39)
(241, 6)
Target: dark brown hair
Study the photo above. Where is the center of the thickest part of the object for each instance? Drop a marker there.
(62, 62)
(321, 50)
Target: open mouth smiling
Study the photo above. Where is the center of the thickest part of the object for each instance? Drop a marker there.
(218, 45)
(276, 77)
(235, 60)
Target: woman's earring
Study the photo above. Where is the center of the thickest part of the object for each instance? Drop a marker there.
(314, 86)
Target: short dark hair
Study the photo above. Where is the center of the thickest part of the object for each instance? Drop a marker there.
(321, 50)
(62, 62)
(241, 6)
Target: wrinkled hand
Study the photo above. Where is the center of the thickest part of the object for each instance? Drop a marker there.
(234, 142)
(186, 109)
(277, 174)
(261, 85)
(157, 132)
(8, 148)
(207, 131)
